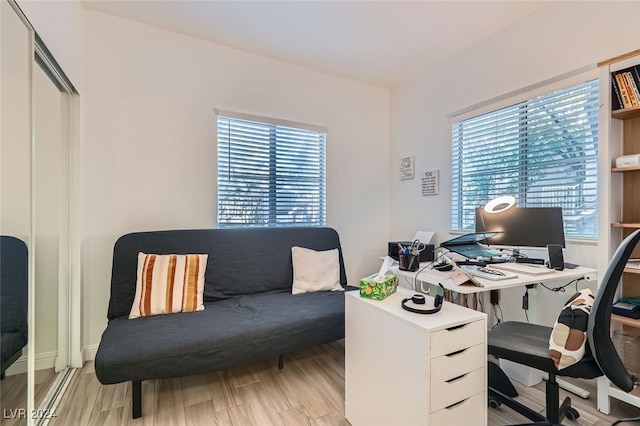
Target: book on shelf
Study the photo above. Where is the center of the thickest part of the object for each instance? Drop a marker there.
(633, 263)
(626, 101)
(616, 99)
(636, 75)
(626, 309)
(628, 82)
(626, 88)
(634, 85)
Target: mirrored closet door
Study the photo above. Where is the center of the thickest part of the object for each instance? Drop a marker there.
(50, 177)
(16, 50)
(34, 223)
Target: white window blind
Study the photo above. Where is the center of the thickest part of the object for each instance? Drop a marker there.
(270, 174)
(543, 151)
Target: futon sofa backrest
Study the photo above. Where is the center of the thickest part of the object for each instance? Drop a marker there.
(14, 285)
(241, 260)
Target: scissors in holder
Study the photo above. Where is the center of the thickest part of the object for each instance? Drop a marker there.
(417, 247)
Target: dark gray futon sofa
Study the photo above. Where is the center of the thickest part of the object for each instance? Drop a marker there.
(14, 285)
(250, 313)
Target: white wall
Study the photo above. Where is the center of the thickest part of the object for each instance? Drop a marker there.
(15, 130)
(150, 146)
(59, 24)
(559, 38)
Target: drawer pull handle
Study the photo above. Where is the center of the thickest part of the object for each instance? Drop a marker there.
(456, 404)
(455, 327)
(456, 378)
(457, 352)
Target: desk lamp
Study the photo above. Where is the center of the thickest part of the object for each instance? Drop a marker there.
(497, 205)
(500, 204)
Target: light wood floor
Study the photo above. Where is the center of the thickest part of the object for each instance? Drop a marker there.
(308, 391)
(13, 394)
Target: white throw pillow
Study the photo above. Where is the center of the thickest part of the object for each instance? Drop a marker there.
(315, 270)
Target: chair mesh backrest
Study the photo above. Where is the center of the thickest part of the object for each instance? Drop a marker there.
(599, 326)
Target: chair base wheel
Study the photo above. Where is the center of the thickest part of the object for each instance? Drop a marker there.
(572, 413)
(494, 403)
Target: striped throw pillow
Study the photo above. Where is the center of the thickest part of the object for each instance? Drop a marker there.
(168, 284)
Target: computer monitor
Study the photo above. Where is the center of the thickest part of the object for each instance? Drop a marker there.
(523, 226)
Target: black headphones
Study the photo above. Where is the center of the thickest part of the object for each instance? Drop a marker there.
(419, 299)
(442, 267)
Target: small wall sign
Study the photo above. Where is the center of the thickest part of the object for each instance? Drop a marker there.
(407, 167)
(431, 182)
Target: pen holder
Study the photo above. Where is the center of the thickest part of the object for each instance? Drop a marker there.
(409, 262)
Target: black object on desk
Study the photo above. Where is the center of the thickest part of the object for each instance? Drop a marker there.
(530, 260)
(426, 255)
(409, 262)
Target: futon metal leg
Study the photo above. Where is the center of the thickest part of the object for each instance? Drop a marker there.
(280, 362)
(136, 393)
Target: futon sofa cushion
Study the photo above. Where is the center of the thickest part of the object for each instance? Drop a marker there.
(226, 333)
(11, 344)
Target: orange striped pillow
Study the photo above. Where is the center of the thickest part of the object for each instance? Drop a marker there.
(169, 283)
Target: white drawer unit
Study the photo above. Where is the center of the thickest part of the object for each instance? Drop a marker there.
(467, 412)
(403, 368)
(447, 367)
(453, 339)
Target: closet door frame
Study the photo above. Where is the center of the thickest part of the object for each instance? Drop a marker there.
(69, 302)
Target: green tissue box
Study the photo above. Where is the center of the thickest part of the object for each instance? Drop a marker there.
(378, 290)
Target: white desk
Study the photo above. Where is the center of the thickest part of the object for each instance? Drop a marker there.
(403, 368)
(425, 274)
(431, 276)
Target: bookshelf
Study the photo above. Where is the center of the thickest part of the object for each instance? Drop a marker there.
(624, 113)
(619, 203)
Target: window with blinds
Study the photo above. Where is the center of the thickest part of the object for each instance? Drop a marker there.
(543, 151)
(270, 173)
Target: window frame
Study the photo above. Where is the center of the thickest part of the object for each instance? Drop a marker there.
(583, 75)
(275, 126)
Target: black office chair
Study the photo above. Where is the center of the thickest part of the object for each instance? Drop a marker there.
(528, 344)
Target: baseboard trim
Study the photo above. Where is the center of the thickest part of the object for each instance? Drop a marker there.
(90, 352)
(42, 361)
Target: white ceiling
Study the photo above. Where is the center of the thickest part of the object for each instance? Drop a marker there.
(379, 42)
